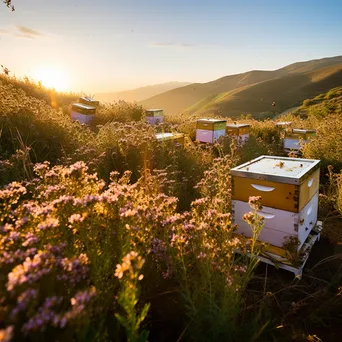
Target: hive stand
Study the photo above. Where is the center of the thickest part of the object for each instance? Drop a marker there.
(271, 256)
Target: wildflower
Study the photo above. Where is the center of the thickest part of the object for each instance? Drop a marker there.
(50, 222)
(30, 270)
(6, 334)
(23, 301)
(132, 263)
(45, 315)
(76, 218)
(255, 202)
(129, 213)
(249, 218)
(30, 239)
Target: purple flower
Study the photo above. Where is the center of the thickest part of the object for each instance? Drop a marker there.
(23, 300)
(50, 222)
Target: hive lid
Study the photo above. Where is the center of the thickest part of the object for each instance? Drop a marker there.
(284, 123)
(211, 120)
(83, 106)
(277, 169)
(167, 136)
(153, 110)
(86, 98)
(238, 125)
(303, 131)
(164, 135)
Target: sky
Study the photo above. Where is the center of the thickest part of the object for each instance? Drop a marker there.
(111, 45)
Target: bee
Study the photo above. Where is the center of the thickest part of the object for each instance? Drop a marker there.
(280, 164)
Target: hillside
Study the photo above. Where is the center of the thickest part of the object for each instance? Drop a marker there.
(139, 94)
(321, 105)
(286, 92)
(229, 95)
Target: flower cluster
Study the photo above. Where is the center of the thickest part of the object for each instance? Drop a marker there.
(132, 264)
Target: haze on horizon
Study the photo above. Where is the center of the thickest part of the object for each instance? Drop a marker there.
(111, 45)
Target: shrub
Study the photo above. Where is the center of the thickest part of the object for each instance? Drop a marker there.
(308, 102)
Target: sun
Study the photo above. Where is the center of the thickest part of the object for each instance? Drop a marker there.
(52, 77)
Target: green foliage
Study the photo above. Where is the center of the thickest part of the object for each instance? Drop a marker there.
(128, 297)
(308, 102)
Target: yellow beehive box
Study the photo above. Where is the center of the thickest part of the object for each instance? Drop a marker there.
(238, 129)
(283, 183)
(178, 138)
(154, 112)
(304, 134)
(211, 124)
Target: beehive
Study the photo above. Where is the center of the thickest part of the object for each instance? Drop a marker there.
(154, 116)
(240, 131)
(89, 101)
(289, 191)
(283, 125)
(294, 137)
(209, 130)
(82, 113)
(178, 138)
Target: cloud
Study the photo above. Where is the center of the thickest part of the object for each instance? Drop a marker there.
(172, 45)
(26, 32)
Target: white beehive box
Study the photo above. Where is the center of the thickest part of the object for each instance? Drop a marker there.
(82, 113)
(239, 131)
(294, 137)
(279, 224)
(289, 191)
(210, 130)
(154, 116)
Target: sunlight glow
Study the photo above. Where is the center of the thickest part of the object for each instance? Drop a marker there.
(52, 77)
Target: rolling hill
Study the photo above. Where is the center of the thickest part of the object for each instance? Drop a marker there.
(254, 91)
(139, 94)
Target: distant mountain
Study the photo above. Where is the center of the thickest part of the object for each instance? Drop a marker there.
(270, 97)
(254, 91)
(139, 94)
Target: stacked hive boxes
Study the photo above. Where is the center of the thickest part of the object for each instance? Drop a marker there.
(240, 131)
(84, 111)
(210, 130)
(154, 116)
(178, 138)
(294, 137)
(289, 191)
